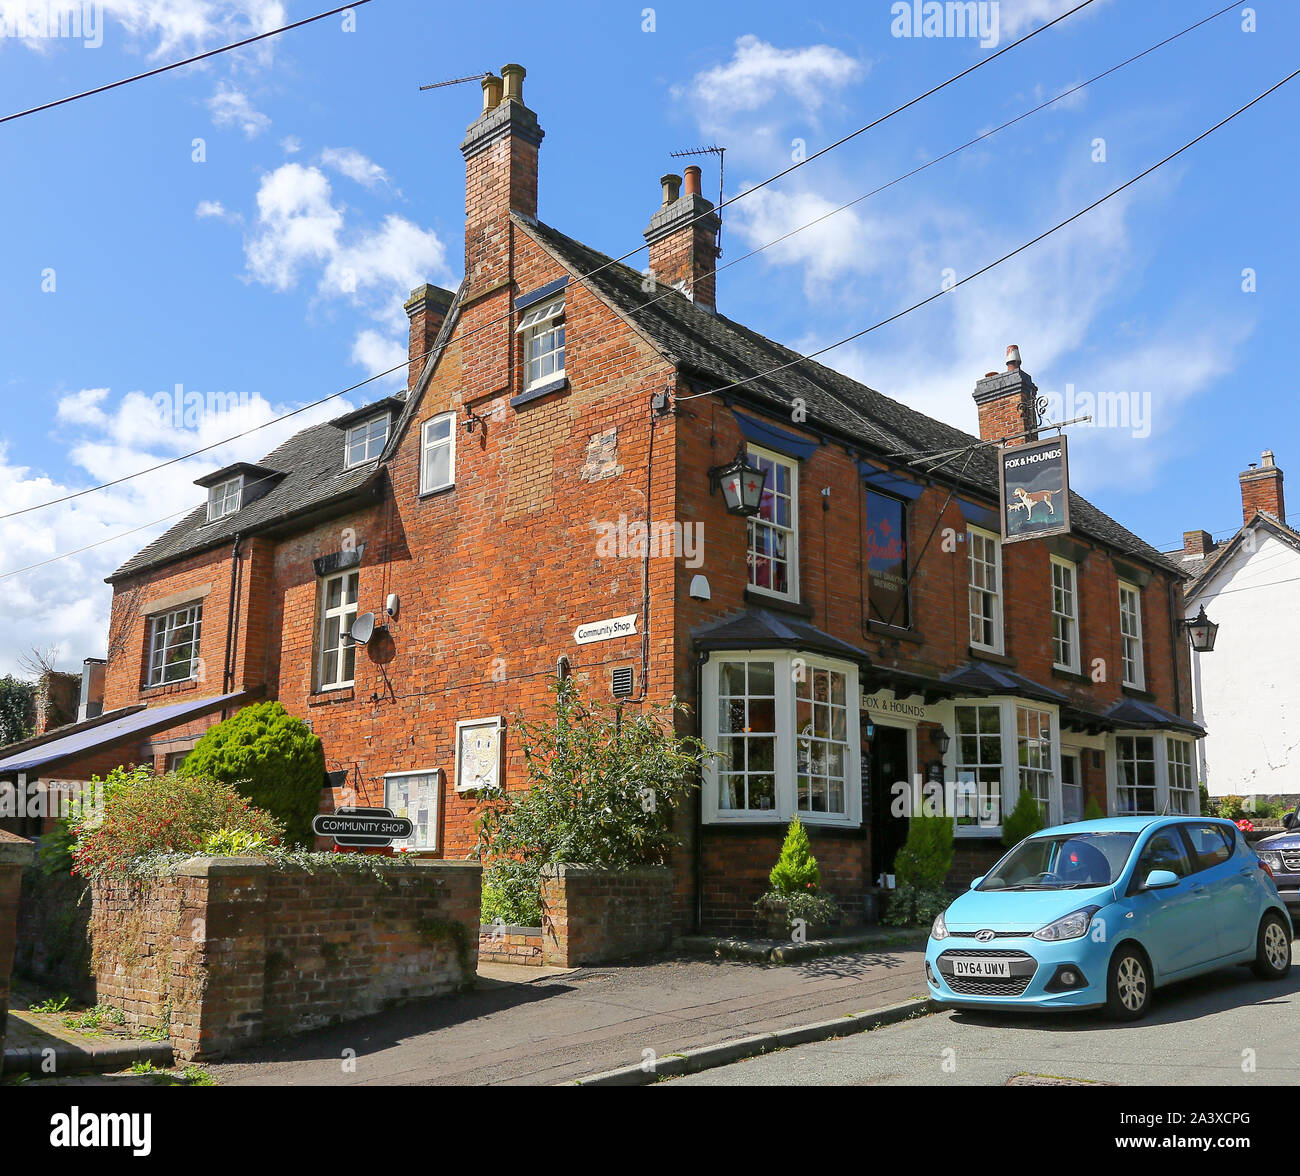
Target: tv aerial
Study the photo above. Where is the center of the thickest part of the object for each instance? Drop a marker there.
(721, 153)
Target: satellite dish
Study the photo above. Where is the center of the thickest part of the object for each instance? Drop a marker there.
(363, 628)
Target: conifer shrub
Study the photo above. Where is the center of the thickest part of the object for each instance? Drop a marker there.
(1024, 820)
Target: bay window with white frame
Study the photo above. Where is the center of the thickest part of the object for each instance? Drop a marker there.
(984, 562)
(1153, 773)
(773, 553)
(784, 729)
(1003, 746)
(337, 654)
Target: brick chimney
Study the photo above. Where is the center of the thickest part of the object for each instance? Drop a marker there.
(427, 309)
(1197, 544)
(685, 254)
(1261, 489)
(1006, 402)
(500, 151)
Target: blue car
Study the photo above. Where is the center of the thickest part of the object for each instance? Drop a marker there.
(1101, 913)
(1281, 853)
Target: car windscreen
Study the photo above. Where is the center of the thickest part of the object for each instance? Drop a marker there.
(1069, 861)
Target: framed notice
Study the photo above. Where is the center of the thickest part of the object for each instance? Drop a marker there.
(1034, 481)
(478, 753)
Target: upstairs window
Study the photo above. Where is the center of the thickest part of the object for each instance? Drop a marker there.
(224, 497)
(773, 532)
(365, 441)
(1130, 633)
(338, 654)
(887, 595)
(985, 562)
(438, 453)
(174, 645)
(1065, 616)
(542, 331)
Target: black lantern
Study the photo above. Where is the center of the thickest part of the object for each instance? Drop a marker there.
(742, 484)
(1202, 631)
(942, 740)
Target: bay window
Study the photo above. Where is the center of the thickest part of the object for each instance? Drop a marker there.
(1065, 616)
(1130, 633)
(979, 765)
(985, 581)
(1182, 784)
(1135, 774)
(773, 533)
(1154, 774)
(784, 727)
(1003, 747)
(1034, 755)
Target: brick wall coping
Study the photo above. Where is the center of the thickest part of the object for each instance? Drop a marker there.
(15, 850)
(213, 867)
(574, 870)
(508, 929)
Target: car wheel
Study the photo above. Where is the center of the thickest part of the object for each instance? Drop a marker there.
(1272, 948)
(1128, 985)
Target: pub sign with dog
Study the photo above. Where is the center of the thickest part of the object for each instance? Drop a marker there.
(1035, 485)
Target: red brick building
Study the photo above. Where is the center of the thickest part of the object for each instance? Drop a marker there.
(560, 408)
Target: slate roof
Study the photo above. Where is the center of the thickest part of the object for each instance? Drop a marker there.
(721, 351)
(760, 628)
(1199, 571)
(312, 464)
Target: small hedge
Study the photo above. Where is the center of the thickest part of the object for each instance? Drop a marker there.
(272, 757)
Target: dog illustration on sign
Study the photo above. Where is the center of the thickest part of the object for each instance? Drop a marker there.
(1026, 500)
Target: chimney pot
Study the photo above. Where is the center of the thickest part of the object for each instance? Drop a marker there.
(692, 176)
(512, 77)
(1013, 357)
(672, 186)
(1267, 458)
(491, 92)
(1261, 489)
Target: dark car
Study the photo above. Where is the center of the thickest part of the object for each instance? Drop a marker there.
(1281, 854)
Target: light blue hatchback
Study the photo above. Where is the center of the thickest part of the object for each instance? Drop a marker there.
(1101, 913)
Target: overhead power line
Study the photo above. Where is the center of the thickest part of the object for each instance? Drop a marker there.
(149, 73)
(892, 318)
(459, 341)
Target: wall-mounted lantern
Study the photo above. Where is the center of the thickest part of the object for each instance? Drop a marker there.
(1202, 631)
(742, 484)
(942, 740)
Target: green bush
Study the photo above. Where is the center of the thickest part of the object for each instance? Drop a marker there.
(1232, 807)
(272, 757)
(602, 790)
(926, 855)
(796, 870)
(816, 910)
(167, 814)
(916, 906)
(1025, 819)
(1092, 810)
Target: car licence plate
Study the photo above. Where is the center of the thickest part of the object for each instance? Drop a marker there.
(991, 968)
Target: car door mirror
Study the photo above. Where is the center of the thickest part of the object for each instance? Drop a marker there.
(976, 881)
(1290, 820)
(1160, 880)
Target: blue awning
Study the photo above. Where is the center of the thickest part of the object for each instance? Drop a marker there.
(981, 516)
(888, 482)
(132, 721)
(771, 436)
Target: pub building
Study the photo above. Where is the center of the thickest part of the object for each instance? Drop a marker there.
(849, 618)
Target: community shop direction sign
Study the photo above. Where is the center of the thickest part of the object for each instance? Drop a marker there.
(1035, 483)
(605, 630)
(362, 828)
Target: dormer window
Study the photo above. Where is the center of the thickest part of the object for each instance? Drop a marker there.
(542, 330)
(224, 497)
(365, 440)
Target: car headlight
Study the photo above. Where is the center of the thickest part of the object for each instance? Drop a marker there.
(1072, 926)
(1272, 860)
(940, 929)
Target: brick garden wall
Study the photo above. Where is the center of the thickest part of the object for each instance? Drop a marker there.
(594, 916)
(498, 944)
(224, 952)
(53, 943)
(15, 853)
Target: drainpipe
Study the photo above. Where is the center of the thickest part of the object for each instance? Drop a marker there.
(698, 865)
(228, 669)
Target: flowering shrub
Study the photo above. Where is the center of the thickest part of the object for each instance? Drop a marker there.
(167, 814)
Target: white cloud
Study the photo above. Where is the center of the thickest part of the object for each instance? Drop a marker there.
(230, 107)
(297, 224)
(759, 72)
(291, 144)
(376, 352)
(350, 162)
(215, 210)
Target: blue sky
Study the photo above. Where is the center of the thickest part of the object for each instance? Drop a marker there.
(265, 265)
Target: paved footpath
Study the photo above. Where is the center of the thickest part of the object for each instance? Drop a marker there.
(1226, 1029)
(530, 1030)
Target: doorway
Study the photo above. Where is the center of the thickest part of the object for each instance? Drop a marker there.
(890, 763)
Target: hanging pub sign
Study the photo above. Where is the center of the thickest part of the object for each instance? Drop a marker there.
(1034, 480)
